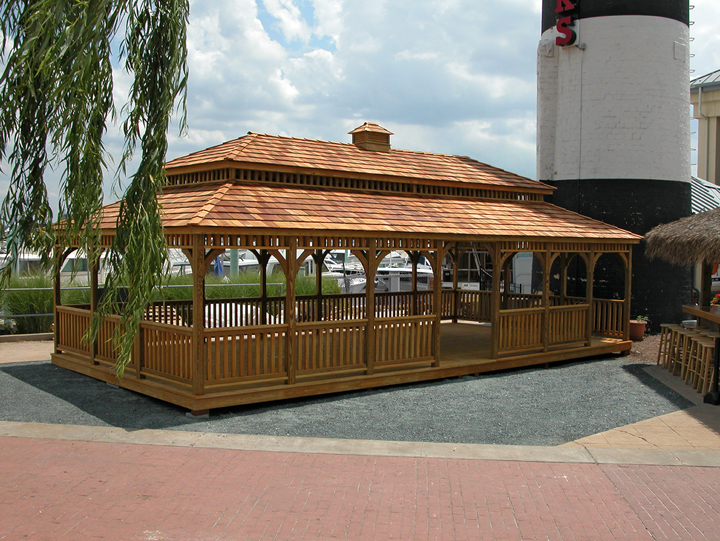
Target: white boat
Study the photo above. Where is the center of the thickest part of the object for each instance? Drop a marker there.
(26, 263)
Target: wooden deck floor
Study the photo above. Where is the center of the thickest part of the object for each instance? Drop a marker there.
(465, 345)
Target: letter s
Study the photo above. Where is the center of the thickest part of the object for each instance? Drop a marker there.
(569, 34)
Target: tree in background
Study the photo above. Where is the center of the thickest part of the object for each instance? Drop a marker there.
(56, 91)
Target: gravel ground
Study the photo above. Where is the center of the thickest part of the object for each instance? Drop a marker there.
(537, 406)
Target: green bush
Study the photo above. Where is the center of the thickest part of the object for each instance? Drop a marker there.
(75, 297)
(29, 302)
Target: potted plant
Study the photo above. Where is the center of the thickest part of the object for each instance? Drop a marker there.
(715, 304)
(637, 327)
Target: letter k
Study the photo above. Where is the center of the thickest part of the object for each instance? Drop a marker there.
(564, 5)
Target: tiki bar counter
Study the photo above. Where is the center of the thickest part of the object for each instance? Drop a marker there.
(293, 200)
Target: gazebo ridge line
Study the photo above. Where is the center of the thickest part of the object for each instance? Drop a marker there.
(294, 199)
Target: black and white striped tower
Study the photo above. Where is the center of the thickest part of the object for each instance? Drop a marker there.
(613, 132)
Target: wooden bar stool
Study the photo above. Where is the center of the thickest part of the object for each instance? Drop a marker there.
(681, 352)
(666, 329)
(669, 361)
(706, 370)
(700, 348)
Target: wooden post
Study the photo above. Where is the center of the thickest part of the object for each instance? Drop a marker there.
(705, 284)
(495, 302)
(564, 264)
(506, 279)
(456, 294)
(198, 327)
(57, 299)
(370, 270)
(547, 264)
(290, 316)
(414, 259)
(628, 294)
(138, 352)
(263, 258)
(318, 259)
(437, 300)
(94, 299)
(590, 276)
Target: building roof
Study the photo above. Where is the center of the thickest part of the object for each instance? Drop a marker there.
(711, 81)
(704, 195)
(348, 160)
(687, 241)
(372, 127)
(292, 210)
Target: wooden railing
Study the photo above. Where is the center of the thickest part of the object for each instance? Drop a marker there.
(244, 312)
(106, 351)
(403, 339)
(568, 324)
(569, 301)
(330, 345)
(71, 326)
(393, 304)
(170, 312)
(424, 303)
(516, 301)
(248, 352)
(167, 351)
(474, 305)
(223, 313)
(523, 329)
(447, 304)
(344, 307)
(609, 317)
(520, 329)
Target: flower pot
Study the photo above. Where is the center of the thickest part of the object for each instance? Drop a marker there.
(637, 330)
(715, 308)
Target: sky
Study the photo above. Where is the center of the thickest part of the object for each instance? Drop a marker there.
(447, 76)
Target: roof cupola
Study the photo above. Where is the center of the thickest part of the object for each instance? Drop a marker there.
(371, 136)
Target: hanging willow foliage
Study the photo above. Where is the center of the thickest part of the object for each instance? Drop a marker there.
(56, 91)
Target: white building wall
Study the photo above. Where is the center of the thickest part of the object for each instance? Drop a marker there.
(622, 102)
(547, 83)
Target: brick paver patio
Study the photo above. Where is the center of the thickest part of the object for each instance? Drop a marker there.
(62, 490)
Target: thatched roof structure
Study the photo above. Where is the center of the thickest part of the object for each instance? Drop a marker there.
(688, 240)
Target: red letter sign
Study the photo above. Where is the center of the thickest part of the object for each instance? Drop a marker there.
(569, 33)
(564, 5)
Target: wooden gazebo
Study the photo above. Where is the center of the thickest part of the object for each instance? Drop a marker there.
(295, 199)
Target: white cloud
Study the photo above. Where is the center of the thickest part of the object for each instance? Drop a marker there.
(704, 50)
(451, 76)
(328, 14)
(407, 55)
(706, 43)
(290, 20)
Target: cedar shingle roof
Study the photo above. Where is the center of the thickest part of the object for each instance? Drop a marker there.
(347, 159)
(242, 206)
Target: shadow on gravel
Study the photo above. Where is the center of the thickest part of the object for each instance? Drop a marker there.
(534, 406)
(70, 398)
(637, 371)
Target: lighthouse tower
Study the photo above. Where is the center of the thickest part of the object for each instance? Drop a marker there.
(614, 126)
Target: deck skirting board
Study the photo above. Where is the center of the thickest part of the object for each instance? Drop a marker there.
(319, 384)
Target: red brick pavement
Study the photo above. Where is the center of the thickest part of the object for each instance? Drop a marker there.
(62, 490)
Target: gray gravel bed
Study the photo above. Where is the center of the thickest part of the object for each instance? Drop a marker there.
(537, 406)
